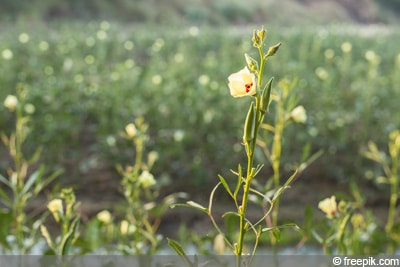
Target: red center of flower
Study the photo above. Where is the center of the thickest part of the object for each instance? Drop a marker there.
(248, 86)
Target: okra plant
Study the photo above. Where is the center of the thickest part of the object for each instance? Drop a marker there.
(248, 82)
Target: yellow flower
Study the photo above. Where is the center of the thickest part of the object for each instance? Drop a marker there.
(299, 114)
(146, 179)
(11, 102)
(242, 83)
(56, 208)
(131, 130)
(104, 217)
(328, 206)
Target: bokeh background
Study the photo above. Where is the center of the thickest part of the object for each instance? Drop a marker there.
(91, 67)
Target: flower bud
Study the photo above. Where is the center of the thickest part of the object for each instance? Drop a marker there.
(262, 34)
(249, 125)
(265, 96)
(251, 63)
(256, 40)
(273, 49)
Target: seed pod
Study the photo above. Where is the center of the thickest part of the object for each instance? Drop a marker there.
(250, 124)
(265, 96)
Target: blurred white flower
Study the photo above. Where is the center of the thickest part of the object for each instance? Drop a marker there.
(346, 47)
(299, 114)
(131, 130)
(328, 206)
(7, 54)
(56, 208)
(23, 38)
(29, 108)
(104, 217)
(11, 102)
(146, 179)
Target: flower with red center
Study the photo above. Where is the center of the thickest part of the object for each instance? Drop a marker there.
(242, 83)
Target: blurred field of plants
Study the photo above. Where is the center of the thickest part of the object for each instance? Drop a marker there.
(87, 78)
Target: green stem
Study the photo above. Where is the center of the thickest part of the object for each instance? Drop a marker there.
(393, 180)
(249, 177)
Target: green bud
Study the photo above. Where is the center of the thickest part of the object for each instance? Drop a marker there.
(250, 124)
(251, 63)
(256, 40)
(273, 49)
(265, 96)
(262, 33)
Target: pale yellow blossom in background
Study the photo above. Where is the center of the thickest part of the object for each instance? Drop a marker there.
(131, 130)
(104, 217)
(146, 179)
(328, 206)
(242, 83)
(11, 102)
(299, 114)
(219, 244)
(56, 208)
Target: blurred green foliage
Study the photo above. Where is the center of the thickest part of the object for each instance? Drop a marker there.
(202, 12)
(88, 80)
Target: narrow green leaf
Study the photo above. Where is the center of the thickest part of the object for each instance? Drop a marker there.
(45, 182)
(225, 185)
(69, 238)
(191, 204)
(47, 237)
(258, 169)
(179, 250)
(230, 213)
(239, 181)
(212, 197)
(317, 237)
(5, 199)
(283, 226)
(5, 181)
(6, 219)
(32, 179)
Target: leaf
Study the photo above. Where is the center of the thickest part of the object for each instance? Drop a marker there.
(179, 250)
(44, 182)
(69, 238)
(276, 231)
(47, 237)
(279, 192)
(317, 237)
(239, 181)
(258, 169)
(4, 198)
(6, 219)
(5, 181)
(32, 179)
(230, 213)
(225, 185)
(212, 197)
(191, 204)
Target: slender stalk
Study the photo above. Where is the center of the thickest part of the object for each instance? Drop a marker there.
(250, 159)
